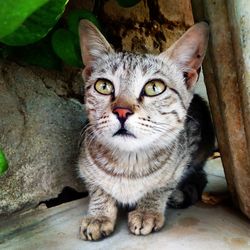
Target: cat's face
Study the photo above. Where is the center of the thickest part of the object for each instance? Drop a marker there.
(134, 101)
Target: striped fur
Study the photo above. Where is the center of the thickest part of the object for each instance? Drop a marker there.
(146, 170)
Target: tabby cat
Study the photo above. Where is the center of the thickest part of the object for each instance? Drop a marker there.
(148, 135)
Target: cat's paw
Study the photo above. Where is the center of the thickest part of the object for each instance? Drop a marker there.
(96, 228)
(144, 222)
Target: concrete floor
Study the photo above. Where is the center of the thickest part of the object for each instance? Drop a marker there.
(200, 227)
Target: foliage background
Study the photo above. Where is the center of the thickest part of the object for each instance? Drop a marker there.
(39, 32)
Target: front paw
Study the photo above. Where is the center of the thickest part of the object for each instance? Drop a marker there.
(96, 227)
(145, 222)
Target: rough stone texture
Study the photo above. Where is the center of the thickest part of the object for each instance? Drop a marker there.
(39, 131)
(240, 23)
(199, 227)
(150, 26)
(227, 85)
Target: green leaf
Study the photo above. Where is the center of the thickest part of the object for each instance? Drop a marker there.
(13, 13)
(3, 163)
(37, 26)
(75, 16)
(127, 3)
(66, 46)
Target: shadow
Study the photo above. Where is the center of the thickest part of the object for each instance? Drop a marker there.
(68, 194)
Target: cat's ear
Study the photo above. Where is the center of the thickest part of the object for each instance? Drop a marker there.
(93, 44)
(189, 51)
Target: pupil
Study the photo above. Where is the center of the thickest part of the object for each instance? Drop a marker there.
(154, 87)
(104, 86)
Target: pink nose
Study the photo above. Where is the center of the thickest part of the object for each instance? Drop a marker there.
(122, 112)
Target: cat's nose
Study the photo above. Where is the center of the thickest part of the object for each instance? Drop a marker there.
(122, 113)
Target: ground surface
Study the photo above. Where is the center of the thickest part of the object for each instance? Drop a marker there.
(199, 227)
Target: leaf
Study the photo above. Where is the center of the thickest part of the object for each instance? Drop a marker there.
(75, 16)
(3, 163)
(37, 26)
(13, 13)
(66, 46)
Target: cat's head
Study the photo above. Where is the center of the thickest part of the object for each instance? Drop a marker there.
(139, 101)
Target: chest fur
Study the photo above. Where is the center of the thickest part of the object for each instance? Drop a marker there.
(129, 190)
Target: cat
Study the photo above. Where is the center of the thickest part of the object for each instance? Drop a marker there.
(148, 135)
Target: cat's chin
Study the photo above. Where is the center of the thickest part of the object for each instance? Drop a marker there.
(130, 143)
(125, 142)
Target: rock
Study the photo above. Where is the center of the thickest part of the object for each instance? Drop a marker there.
(137, 13)
(39, 131)
(148, 27)
(227, 81)
(176, 12)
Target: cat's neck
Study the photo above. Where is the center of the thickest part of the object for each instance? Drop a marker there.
(134, 163)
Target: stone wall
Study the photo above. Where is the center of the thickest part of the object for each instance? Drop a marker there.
(148, 27)
(39, 130)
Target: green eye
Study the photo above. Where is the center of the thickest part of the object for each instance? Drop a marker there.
(104, 87)
(154, 88)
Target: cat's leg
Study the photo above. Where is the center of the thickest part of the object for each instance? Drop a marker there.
(189, 190)
(101, 217)
(149, 213)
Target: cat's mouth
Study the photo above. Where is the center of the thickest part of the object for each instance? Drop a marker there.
(123, 132)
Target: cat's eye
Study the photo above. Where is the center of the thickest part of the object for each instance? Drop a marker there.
(104, 87)
(154, 88)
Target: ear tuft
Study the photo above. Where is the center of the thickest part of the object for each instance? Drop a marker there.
(93, 44)
(189, 51)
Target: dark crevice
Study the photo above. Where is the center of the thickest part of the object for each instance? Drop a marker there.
(154, 11)
(68, 194)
